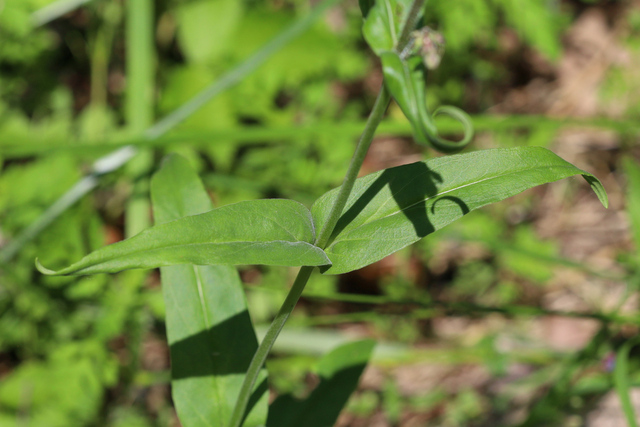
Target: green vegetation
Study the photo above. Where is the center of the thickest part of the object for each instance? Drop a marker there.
(260, 104)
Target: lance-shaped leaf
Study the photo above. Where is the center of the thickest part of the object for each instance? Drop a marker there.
(405, 80)
(384, 22)
(209, 329)
(270, 232)
(393, 208)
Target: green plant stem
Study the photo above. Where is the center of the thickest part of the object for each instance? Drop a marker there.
(139, 109)
(412, 20)
(379, 108)
(323, 237)
(375, 117)
(265, 346)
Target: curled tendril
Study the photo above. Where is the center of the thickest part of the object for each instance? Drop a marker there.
(460, 116)
(405, 78)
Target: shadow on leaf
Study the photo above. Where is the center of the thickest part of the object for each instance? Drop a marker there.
(192, 357)
(411, 186)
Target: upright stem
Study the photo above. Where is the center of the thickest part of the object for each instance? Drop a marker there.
(410, 24)
(265, 346)
(305, 272)
(375, 117)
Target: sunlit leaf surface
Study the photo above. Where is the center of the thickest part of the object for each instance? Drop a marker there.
(208, 326)
(393, 208)
(270, 232)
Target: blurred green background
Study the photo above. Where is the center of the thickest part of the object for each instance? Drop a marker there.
(520, 314)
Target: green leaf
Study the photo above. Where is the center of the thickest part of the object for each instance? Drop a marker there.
(621, 381)
(339, 372)
(206, 27)
(270, 232)
(383, 23)
(209, 329)
(65, 389)
(365, 6)
(632, 173)
(405, 80)
(527, 255)
(393, 208)
(537, 23)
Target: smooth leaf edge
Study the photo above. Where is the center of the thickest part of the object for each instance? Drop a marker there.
(81, 266)
(592, 180)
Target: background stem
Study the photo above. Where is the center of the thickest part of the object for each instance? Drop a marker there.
(139, 108)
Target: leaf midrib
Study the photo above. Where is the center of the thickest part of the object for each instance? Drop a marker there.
(371, 218)
(90, 264)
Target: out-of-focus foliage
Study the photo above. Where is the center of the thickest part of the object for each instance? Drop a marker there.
(78, 351)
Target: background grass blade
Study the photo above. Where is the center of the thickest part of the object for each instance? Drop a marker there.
(20, 147)
(621, 381)
(54, 11)
(393, 208)
(239, 72)
(632, 171)
(76, 192)
(208, 325)
(339, 373)
(163, 126)
(139, 112)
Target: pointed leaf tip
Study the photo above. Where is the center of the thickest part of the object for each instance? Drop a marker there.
(597, 188)
(393, 208)
(267, 232)
(44, 270)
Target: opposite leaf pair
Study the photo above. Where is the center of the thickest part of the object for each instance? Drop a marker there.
(386, 211)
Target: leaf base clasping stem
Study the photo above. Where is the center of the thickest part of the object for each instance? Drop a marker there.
(375, 117)
(302, 278)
